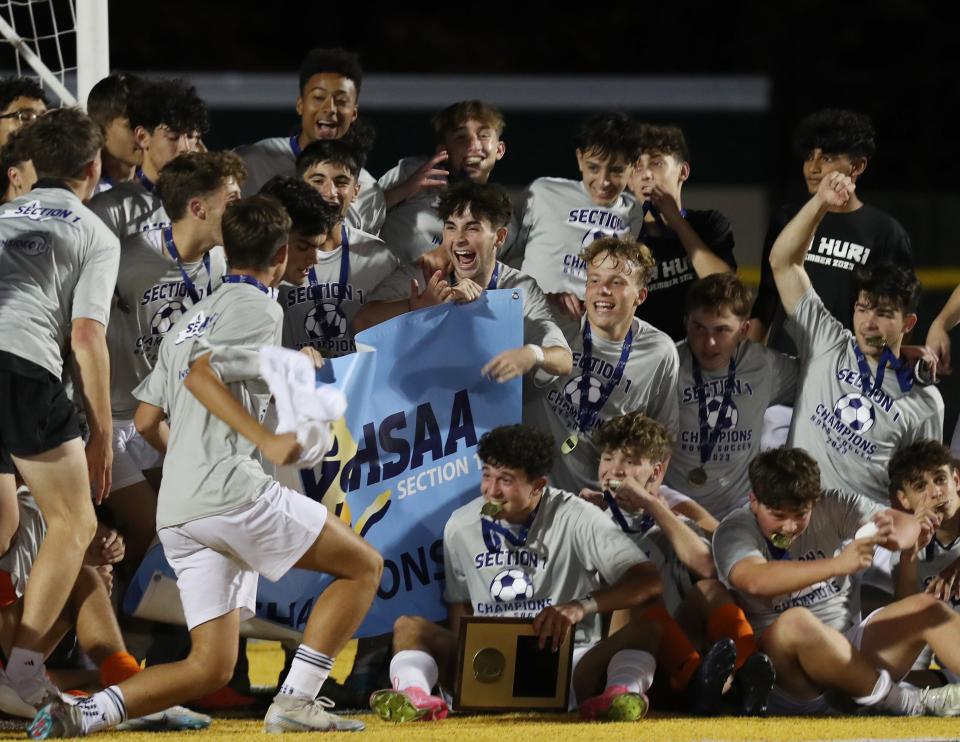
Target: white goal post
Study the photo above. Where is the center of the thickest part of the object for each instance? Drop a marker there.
(38, 31)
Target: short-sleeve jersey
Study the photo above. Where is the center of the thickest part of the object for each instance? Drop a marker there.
(834, 521)
(58, 263)
(571, 545)
(676, 576)
(210, 468)
(539, 323)
(130, 207)
(275, 156)
(852, 435)
(557, 220)
(673, 272)
(151, 296)
(316, 314)
(762, 377)
(648, 383)
(842, 241)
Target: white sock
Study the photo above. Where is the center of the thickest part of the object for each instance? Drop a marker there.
(24, 669)
(412, 668)
(102, 710)
(307, 672)
(898, 699)
(631, 668)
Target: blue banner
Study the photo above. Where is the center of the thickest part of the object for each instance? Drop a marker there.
(404, 456)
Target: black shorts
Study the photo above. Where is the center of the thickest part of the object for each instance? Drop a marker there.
(36, 415)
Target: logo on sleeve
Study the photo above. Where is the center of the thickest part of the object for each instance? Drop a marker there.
(199, 324)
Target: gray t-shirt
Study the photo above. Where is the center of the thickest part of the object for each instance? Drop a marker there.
(539, 323)
(325, 322)
(129, 207)
(210, 468)
(18, 560)
(834, 522)
(762, 378)
(571, 546)
(852, 435)
(57, 263)
(557, 220)
(275, 156)
(648, 383)
(151, 297)
(677, 578)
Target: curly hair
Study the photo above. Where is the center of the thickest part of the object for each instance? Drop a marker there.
(485, 201)
(786, 479)
(610, 135)
(518, 447)
(888, 281)
(12, 88)
(642, 436)
(912, 462)
(622, 250)
(311, 215)
(667, 140)
(338, 61)
(835, 131)
(173, 103)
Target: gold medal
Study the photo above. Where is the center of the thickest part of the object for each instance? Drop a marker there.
(570, 443)
(491, 509)
(780, 540)
(613, 484)
(697, 477)
(488, 665)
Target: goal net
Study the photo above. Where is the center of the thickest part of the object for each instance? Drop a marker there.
(64, 43)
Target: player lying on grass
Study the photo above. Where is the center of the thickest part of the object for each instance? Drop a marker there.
(561, 547)
(791, 558)
(88, 611)
(674, 532)
(222, 521)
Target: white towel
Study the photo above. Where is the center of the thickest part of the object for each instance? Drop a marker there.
(302, 407)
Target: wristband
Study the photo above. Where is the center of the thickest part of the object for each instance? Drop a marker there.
(537, 354)
(589, 605)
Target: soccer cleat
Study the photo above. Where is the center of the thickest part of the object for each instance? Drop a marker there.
(294, 714)
(942, 701)
(409, 704)
(56, 720)
(617, 703)
(707, 684)
(173, 719)
(10, 701)
(754, 682)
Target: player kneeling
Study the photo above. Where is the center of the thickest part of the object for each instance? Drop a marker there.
(568, 546)
(791, 559)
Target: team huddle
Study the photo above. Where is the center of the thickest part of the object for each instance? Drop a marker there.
(730, 505)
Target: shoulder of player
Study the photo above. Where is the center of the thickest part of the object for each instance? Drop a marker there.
(511, 278)
(711, 219)
(929, 398)
(364, 243)
(465, 516)
(651, 339)
(739, 521)
(558, 506)
(268, 145)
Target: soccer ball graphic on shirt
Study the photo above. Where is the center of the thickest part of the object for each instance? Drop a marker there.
(592, 235)
(594, 389)
(730, 417)
(511, 584)
(325, 321)
(855, 411)
(166, 317)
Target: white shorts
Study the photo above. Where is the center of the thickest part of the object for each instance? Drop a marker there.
(218, 559)
(782, 703)
(578, 651)
(132, 455)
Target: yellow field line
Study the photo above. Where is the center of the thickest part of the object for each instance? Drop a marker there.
(933, 278)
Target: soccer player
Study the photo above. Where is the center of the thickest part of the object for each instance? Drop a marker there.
(21, 102)
(469, 144)
(163, 272)
(857, 403)
(475, 218)
(327, 105)
(168, 119)
(791, 558)
(851, 233)
(352, 267)
(17, 174)
(58, 267)
(221, 520)
(559, 217)
(726, 383)
(686, 243)
(566, 546)
(107, 105)
(620, 364)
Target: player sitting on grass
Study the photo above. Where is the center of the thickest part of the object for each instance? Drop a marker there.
(570, 546)
(674, 532)
(222, 521)
(475, 218)
(791, 558)
(924, 478)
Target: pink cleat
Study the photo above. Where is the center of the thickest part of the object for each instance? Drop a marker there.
(409, 704)
(617, 703)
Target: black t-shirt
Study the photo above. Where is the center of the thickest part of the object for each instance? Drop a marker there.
(667, 288)
(841, 242)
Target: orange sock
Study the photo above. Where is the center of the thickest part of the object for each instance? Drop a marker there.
(677, 655)
(118, 667)
(729, 622)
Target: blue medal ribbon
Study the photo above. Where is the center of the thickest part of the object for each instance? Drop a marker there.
(648, 208)
(588, 413)
(452, 278)
(777, 553)
(144, 180)
(172, 250)
(902, 370)
(646, 521)
(295, 145)
(329, 331)
(708, 437)
(250, 281)
(494, 532)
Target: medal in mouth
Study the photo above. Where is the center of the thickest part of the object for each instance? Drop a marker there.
(491, 509)
(613, 484)
(875, 341)
(781, 540)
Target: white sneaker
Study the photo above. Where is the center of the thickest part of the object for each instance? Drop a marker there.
(173, 719)
(292, 714)
(10, 701)
(38, 691)
(943, 701)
